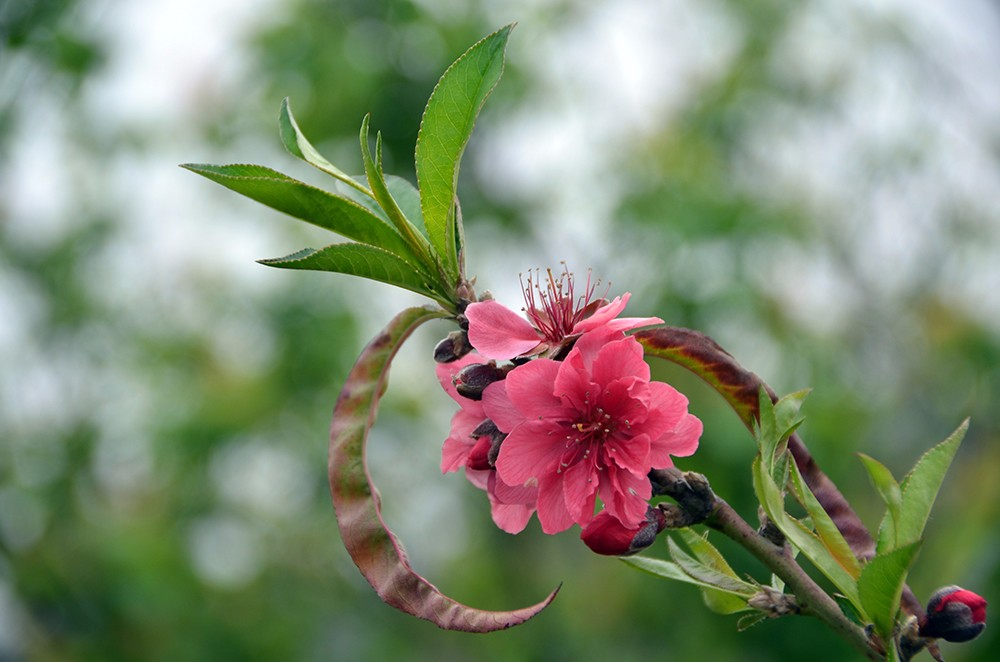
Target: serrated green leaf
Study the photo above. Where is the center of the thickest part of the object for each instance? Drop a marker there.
(376, 180)
(749, 620)
(358, 260)
(706, 552)
(659, 568)
(308, 203)
(881, 585)
(708, 575)
(887, 488)
(407, 197)
(798, 535)
(824, 526)
(445, 130)
(297, 144)
(766, 429)
(402, 191)
(921, 486)
(786, 413)
(724, 601)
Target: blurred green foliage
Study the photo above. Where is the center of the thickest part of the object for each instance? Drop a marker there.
(164, 402)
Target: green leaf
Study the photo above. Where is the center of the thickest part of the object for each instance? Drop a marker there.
(707, 553)
(887, 488)
(747, 621)
(786, 413)
(881, 585)
(307, 203)
(720, 601)
(921, 486)
(445, 130)
(660, 568)
(297, 144)
(377, 552)
(825, 528)
(402, 191)
(776, 422)
(723, 593)
(376, 179)
(800, 536)
(359, 260)
(766, 429)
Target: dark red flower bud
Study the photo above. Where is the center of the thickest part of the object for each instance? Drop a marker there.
(954, 614)
(452, 348)
(606, 535)
(489, 429)
(472, 380)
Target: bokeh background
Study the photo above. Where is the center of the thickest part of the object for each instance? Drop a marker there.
(815, 184)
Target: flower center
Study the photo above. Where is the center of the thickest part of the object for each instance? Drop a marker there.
(555, 310)
(586, 436)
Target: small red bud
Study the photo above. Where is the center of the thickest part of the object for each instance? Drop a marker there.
(606, 535)
(954, 614)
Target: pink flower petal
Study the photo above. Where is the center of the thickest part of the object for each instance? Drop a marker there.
(552, 512)
(497, 332)
(621, 358)
(629, 323)
(603, 315)
(680, 442)
(480, 479)
(625, 495)
(512, 518)
(531, 450)
(667, 407)
(530, 389)
(504, 493)
(580, 490)
(498, 408)
(631, 453)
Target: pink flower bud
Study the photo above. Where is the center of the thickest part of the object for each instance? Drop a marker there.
(606, 535)
(954, 614)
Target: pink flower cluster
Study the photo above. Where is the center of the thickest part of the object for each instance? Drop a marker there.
(579, 422)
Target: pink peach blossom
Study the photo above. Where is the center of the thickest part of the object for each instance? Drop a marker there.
(511, 507)
(555, 316)
(592, 425)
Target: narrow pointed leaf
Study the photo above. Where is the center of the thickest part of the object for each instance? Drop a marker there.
(708, 553)
(921, 486)
(297, 144)
(798, 535)
(308, 203)
(402, 191)
(786, 413)
(377, 552)
(359, 260)
(887, 488)
(376, 180)
(740, 388)
(880, 586)
(660, 568)
(826, 530)
(721, 592)
(670, 570)
(708, 575)
(445, 130)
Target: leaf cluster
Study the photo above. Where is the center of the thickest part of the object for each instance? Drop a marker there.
(407, 236)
